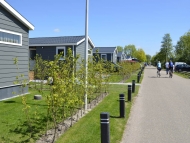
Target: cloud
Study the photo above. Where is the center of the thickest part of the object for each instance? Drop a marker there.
(56, 30)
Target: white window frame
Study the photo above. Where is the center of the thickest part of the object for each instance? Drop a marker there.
(90, 50)
(58, 48)
(14, 33)
(104, 55)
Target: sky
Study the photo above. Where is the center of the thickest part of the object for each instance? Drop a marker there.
(142, 23)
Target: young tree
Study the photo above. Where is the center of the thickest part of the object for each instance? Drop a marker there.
(167, 47)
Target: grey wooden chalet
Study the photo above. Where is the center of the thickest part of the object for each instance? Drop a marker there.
(14, 31)
(48, 47)
(106, 53)
(121, 56)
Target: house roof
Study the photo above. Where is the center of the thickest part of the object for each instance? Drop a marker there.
(119, 54)
(54, 41)
(104, 49)
(16, 14)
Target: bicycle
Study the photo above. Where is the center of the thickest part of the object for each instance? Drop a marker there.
(158, 73)
(170, 74)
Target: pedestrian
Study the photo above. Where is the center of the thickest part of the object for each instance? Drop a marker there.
(167, 67)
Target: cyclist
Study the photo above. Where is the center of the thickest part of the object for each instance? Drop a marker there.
(158, 67)
(171, 66)
(167, 67)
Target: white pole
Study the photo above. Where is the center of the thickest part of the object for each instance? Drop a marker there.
(86, 54)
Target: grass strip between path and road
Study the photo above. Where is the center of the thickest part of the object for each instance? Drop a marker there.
(87, 129)
(134, 77)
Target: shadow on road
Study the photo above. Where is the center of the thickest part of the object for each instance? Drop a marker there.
(158, 77)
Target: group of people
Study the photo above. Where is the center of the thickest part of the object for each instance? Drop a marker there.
(169, 66)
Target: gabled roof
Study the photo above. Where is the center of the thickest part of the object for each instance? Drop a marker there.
(54, 41)
(119, 54)
(104, 49)
(16, 14)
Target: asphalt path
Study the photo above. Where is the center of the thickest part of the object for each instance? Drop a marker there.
(161, 111)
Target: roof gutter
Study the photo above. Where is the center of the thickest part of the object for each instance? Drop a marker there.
(16, 14)
(65, 44)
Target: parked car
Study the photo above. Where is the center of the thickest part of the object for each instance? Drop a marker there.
(182, 67)
(179, 63)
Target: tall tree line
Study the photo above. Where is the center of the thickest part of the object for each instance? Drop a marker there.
(179, 52)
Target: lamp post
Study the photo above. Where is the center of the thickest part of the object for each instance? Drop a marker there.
(86, 55)
(166, 52)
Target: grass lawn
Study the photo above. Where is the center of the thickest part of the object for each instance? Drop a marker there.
(115, 77)
(87, 129)
(182, 75)
(134, 77)
(13, 125)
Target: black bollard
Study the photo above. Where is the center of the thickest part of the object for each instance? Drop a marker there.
(140, 73)
(138, 78)
(122, 105)
(105, 129)
(133, 86)
(129, 92)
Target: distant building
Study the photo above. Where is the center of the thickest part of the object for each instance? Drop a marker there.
(106, 53)
(48, 47)
(121, 56)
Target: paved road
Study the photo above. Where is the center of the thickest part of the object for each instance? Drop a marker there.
(161, 112)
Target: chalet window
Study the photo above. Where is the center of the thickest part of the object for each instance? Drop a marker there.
(104, 57)
(32, 54)
(60, 50)
(89, 51)
(12, 38)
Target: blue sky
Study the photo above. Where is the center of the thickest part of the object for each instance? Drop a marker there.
(111, 22)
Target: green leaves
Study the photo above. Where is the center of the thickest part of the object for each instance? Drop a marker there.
(183, 47)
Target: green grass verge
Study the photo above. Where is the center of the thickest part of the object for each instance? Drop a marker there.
(87, 129)
(134, 77)
(115, 77)
(182, 75)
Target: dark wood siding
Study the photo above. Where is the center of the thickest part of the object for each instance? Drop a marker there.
(109, 57)
(47, 53)
(8, 70)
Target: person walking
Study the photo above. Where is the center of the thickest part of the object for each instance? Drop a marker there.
(167, 67)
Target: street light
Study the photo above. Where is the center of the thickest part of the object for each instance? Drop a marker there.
(86, 55)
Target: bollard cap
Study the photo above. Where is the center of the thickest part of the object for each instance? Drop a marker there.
(121, 95)
(129, 85)
(104, 115)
